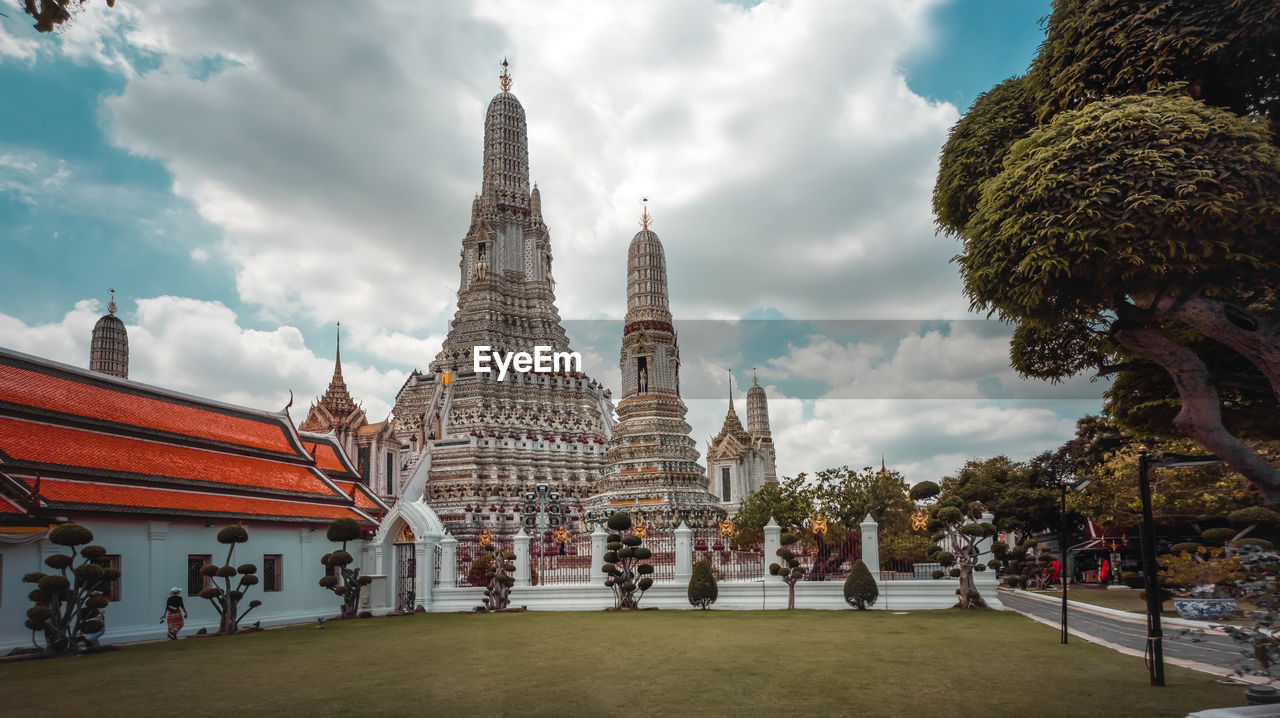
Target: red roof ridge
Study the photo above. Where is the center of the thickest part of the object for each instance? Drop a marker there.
(264, 500)
(315, 472)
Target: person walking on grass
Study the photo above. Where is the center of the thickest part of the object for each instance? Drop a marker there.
(175, 612)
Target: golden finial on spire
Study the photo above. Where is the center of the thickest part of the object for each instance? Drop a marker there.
(111, 305)
(754, 379)
(505, 78)
(645, 219)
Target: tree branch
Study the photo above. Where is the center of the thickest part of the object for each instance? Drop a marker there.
(1201, 414)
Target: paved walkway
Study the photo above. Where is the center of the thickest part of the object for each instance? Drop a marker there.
(1213, 654)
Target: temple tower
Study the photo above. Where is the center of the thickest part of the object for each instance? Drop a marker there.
(758, 427)
(475, 445)
(653, 462)
(335, 411)
(740, 461)
(109, 347)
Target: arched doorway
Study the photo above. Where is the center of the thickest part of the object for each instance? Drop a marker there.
(406, 576)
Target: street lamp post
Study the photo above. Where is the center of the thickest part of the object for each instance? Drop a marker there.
(1062, 542)
(1155, 635)
(541, 512)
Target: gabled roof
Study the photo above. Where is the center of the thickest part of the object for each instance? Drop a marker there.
(365, 499)
(329, 455)
(105, 445)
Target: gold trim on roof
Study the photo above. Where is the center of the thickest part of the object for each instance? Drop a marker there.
(504, 80)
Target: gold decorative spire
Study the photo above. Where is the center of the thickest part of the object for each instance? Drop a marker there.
(111, 305)
(731, 411)
(645, 219)
(755, 381)
(505, 78)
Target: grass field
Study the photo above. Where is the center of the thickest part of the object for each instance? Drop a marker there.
(656, 663)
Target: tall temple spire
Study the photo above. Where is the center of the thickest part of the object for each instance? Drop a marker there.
(337, 354)
(109, 345)
(731, 407)
(506, 150)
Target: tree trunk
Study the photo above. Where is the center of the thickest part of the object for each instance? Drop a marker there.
(1261, 346)
(791, 595)
(968, 590)
(1201, 414)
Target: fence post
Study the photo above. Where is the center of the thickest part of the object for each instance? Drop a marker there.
(772, 542)
(598, 539)
(984, 544)
(521, 548)
(448, 560)
(684, 553)
(871, 546)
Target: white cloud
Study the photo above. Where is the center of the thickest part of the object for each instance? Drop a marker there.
(200, 348)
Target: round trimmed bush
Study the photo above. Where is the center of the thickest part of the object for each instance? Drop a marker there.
(89, 572)
(232, 534)
(70, 534)
(58, 561)
(209, 570)
(645, 583)
(225, 571)
(1185, 546)
(955, 573)
(54, 584)
(937, 574)
(246, 569)
(1218, 535)
(1263, 544)
(632, 541)
(340, 558)
(620, 521)
(93, 552)
(328, 581)
(923, 490)
(1254, 515)
(343, 530)
(643, 553)
(945, 558)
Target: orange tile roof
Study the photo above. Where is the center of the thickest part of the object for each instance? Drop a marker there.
(364, 500)
(327, 457)
(58, 390)
(8, 507)
(28, 441)
(136, 499)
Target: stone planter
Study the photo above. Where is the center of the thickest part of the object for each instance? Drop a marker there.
(1205, 609)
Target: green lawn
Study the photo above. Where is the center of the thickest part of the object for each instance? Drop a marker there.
(655, 663)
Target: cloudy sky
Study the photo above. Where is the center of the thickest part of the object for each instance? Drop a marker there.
(247, 174)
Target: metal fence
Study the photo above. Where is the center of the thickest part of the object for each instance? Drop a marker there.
(903, 570)
(663, 546)
(728, 562)
(828, 561)
(561, 563)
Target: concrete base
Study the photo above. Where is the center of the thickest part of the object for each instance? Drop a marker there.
(768, 594)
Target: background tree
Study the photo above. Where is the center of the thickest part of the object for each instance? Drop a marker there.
(790, 503)
(625, 563)
(351, 583)
(65, 609)
(225, 598)
(1019, 493)
(51, 13)
(788, 568)
(1119, 204)
(960, 531)
(860, 589)
(703, 590)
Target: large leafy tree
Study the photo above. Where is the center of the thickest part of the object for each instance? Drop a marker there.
(789, 502)
(1120, 205)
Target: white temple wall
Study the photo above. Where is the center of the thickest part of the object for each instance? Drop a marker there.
(153, 558)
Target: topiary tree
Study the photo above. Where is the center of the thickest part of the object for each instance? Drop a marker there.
(225, 598)
(628, 574)
(860, 590)
(961, 532)
(703, 590)
(351, 583)
(499, 577)
(789, 568)
(65, 609)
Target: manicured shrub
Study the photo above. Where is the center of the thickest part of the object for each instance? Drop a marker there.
(66, 609)
(703, 590)
(1254, 515)
(1187, 547)
(1218, 536)
(860, 590)
(1263, 544)
(788, 569)
(955, 573)
(625, 571)
(226, 598)
(938, 573)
